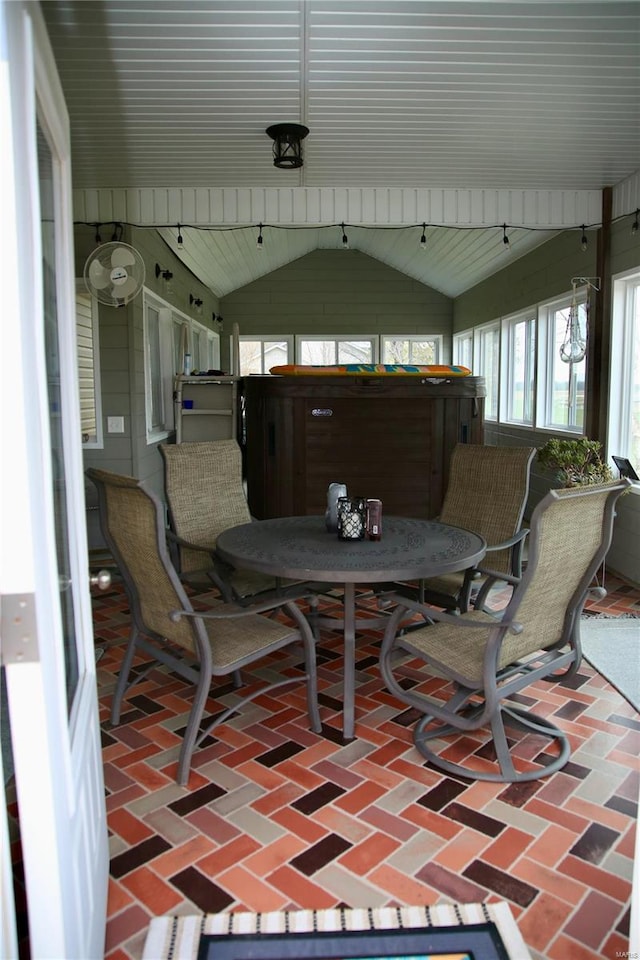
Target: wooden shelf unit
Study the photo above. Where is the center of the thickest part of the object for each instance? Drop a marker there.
(215, 411)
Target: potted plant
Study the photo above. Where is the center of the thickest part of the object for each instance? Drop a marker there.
(575, 462)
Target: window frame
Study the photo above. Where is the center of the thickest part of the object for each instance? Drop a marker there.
(546, 361)
(508, 374)
(435, 338)
(264, 341)
(625, 332)
(337, 339)
(462, 352)
(479, 335)
(172, 342)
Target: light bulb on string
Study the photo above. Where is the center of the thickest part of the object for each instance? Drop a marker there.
(584, 243)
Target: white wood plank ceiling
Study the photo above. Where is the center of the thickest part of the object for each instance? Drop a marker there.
(398, 95)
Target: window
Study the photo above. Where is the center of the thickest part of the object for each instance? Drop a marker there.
(624, 406)
(168, 335)
(417, 350)
(259, 354)
(519, 351)
(155, 324)
(88, 342)
(463, 350)
(487, 352)
(205, 347)
(327, 351)
(561, 385)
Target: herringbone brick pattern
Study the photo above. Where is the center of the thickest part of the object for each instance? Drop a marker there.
(276, 817)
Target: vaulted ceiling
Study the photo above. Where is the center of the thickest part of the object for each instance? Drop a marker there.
(397, 94)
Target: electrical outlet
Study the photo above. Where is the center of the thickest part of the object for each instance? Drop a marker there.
(115, 424)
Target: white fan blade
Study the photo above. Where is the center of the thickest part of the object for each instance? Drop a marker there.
(122, 257)
(99, 277)
(124, 290)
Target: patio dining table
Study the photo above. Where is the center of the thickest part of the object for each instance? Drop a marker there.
(301, 548)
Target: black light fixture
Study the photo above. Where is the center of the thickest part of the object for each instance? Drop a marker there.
(259, 241)
(635, 225)
(505, 238)
(179, 237)
(287, 144)
(345, 238)
(423, 238)
(195, 302)
(162, 272)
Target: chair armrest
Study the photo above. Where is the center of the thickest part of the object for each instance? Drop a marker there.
(441, 616)
(227, 611)
(497, 575)
(180, 542)
(516, 538)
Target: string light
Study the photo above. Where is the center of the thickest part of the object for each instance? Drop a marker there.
(584, 243)
(118, 229)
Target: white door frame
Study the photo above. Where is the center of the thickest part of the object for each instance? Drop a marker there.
(57, 760)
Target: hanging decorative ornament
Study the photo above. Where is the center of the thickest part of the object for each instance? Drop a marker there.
(574, 347)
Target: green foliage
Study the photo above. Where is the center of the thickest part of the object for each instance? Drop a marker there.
(575, 462)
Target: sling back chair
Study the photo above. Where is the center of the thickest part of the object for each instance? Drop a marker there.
(486, 493)
(205, 495)
(487, 660)
(197, 644)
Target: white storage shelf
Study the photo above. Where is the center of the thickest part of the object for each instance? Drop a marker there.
(211, 410)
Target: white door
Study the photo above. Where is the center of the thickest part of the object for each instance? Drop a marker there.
(47, 643)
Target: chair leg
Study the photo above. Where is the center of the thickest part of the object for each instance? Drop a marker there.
(312, 681)
(123, 676)
(511, 716)
(193, 726)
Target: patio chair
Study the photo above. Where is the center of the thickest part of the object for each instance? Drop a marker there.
(488, 660)
(487, 493)
(205, 495)
(198, 644)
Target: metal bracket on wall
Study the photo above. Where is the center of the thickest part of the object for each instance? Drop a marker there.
(592, 282)
(18, 628)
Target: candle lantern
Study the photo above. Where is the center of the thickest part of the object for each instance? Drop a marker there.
(334, 492)
(352, 515)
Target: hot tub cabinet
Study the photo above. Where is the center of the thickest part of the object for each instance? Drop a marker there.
(384, 437)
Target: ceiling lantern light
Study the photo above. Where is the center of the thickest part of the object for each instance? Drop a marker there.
(287, 144)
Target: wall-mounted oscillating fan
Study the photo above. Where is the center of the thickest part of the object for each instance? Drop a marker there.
(114, 273)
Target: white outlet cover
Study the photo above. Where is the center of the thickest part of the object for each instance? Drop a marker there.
(115, 424)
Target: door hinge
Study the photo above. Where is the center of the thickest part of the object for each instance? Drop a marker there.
(18, 628)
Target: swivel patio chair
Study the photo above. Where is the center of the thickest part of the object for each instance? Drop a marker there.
(487, 660)
(205, 495)
(487, 493)
(198, 644)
